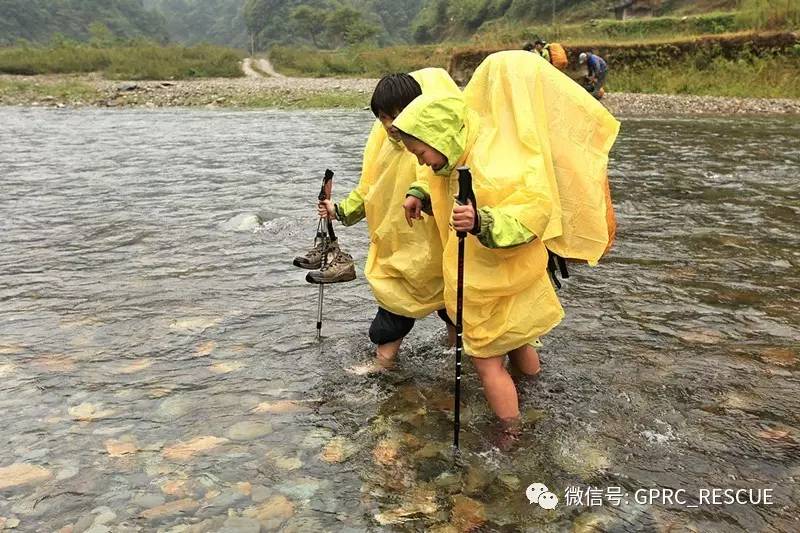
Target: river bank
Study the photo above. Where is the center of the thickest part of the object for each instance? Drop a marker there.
(301, 93)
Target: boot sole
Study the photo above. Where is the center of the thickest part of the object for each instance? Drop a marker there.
(307, 266)
(343, 279)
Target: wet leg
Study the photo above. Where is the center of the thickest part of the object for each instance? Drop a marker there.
(526, 359)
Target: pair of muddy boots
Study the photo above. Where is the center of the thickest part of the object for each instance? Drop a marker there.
(338, 265)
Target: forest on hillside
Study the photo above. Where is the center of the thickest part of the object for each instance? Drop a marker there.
(326, 24)
(44, 20)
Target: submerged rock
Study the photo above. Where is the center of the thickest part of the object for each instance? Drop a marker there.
(581, 458)
(237, 524)
(194, 324)
(243, 222)
(421, 502)
(170, 509)
(281, 407)
(225, 367)
(120, 448)
(272, 513)
(248, 430)
(477, 479)
(337, 450)
(386, 452)
(136, 366)
(205, 348)
(301, 488)
(185, 450)
(19, 474)
(88, 412)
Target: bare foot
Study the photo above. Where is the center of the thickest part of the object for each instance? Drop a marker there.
(508, 433)
(378, 364)
(373, 367)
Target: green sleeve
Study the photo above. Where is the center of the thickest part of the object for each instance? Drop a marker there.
(546, 54)
(501, 230)
(351, 209)
(420, 189)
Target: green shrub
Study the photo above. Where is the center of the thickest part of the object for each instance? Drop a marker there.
(136, 60)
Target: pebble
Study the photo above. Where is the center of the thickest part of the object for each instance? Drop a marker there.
(149, 501)
(233, 90)
(236, 524)
(249, 430)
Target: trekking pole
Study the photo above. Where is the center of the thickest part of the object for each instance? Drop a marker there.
(324, 194)
(464, 194)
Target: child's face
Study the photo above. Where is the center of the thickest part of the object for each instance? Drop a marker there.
(426, 155)
(386, 121)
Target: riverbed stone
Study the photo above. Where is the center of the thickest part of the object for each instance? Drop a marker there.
(185, 450)
(170, 509)
(19, 474)
(272, 512)
(148, 501)
(237, 524)
(247, 430)
(175, 407)
(259, 493)
(89, 412)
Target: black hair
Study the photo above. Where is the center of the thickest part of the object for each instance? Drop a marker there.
(393, 93)
(527, 47)
(540, 41)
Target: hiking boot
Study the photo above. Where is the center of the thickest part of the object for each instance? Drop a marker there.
(312, 259)
(338, 268)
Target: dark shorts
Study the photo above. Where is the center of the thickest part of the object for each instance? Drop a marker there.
(389, 327)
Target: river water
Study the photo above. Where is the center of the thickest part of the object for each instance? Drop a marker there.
(159, 369)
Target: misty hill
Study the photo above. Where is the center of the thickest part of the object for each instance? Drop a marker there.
(319, 23)
(40, 20)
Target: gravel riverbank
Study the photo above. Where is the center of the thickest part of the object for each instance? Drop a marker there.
(271, 92)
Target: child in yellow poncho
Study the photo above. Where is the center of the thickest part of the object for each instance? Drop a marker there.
(403, 266)
(502, 128)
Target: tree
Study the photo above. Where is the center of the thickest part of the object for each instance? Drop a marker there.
(101, 36)
(311, 21)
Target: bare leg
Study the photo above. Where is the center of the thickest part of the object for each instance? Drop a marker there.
(386, 353)
(451, 336)
(525, 359)
(498, 387)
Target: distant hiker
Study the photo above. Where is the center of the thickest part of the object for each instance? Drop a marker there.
(554, 53)
(405, 287)
(597, 69)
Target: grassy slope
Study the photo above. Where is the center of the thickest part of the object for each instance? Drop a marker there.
(135, 61)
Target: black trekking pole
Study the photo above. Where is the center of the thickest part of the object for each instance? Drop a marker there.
(324, 194)
(464, 194)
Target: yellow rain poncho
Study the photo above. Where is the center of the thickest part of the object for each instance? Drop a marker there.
(404, 264)
(506, 141)
(532, 112)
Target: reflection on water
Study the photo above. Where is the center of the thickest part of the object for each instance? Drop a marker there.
(159, 368)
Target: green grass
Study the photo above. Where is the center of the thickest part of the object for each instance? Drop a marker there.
(69, 91)
(613, 31)
(355, 62)
(771, 77)
(135, 61)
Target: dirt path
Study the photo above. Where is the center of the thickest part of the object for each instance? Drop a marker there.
(263, 65)
(247, 68)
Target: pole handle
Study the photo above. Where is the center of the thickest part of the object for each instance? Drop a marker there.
(465, 193)
(327, 185)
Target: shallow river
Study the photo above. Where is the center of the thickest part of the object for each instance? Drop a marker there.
(159, 368)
